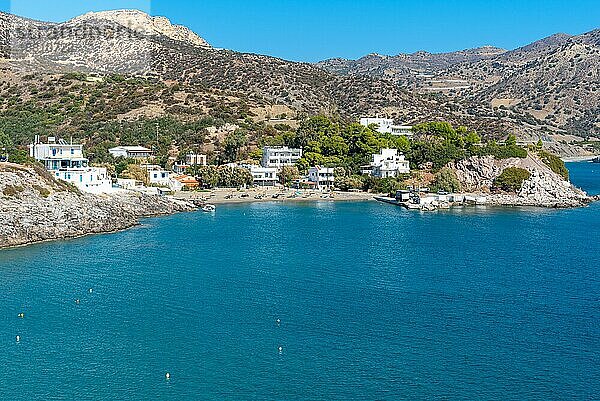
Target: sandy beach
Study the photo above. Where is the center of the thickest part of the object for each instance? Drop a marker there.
(227, 196)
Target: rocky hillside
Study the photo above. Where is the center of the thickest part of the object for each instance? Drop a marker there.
(134, 44)
(543, 188)
(175, 74)
(34, 207)
(142, 23)
(406, 67)
(551, 86)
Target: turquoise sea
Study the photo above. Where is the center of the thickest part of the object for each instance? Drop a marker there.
(374, 303)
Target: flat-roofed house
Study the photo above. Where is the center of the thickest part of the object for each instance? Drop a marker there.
(387, 126)
(323, 177)
(65, 161)
(388, 163)
(131, 152)
(280, 156)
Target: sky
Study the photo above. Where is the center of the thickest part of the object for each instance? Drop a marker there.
(313, 30)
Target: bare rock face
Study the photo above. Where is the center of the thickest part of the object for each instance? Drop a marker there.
(544, 188)
(34, 207)
(143, 23)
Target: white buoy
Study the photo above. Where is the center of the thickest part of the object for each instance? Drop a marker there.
(280, 349)
(167, 376)
(278, 321)
(91, 290)
(21, 315)
(77, 301)
(18, 338)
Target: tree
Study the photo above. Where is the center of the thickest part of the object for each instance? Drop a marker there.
(208, 176)
(511, 179)
(314, 128)
(5, 142)
(288, 174)
(511, 140)
(233, 143)
(347, 183)
(135, 172)
(446, 180)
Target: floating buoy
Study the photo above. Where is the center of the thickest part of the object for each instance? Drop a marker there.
(167, 376)
(21, 315)
(91, 290)
(77, 301)
(280, 349)
(18, 338)
(278, 321)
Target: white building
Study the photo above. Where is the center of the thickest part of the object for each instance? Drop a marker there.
(131, 152)
(323, 177)
(191, 159)
(66, 162)
(263, 176)
(386, 164)
(387, 126)
(157, 175)
(278, 157)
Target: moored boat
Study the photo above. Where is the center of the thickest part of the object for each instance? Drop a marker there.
(209, 208)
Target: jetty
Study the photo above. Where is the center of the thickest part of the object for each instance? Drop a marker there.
(426, 201)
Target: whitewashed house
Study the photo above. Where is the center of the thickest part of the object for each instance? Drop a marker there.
(280, 156)
(388, 163)
(263, 176)
(322, 177)
(387, 126)
(157, 176)
(65, 161)
(131, 152)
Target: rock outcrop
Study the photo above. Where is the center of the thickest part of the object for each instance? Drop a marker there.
(544, 188)
(35, 207)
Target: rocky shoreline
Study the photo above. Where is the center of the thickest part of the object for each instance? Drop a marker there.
(544, 188)
(36, 208)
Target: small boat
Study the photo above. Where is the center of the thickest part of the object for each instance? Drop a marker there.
(209, 208)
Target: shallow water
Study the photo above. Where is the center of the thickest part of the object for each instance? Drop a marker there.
(374, 302)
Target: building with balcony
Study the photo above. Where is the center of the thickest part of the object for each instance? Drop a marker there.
(131, 152)
(322, 177)
(65, 161)
(388, 163)
(387, 126)
(277, 157)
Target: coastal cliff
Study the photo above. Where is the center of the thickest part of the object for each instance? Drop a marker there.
(543, 188)
(34, 207)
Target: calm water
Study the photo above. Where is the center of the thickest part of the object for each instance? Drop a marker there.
(375, 303)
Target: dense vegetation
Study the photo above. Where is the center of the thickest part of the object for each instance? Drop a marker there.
(555, 163)
(222, 176)
(511, 179)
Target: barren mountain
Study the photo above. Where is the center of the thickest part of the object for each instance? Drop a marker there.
(172, 71)
(552, 84)
(404, 66)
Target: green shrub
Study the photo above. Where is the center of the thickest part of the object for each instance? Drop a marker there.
(511, 179)
(12, 190)
(555, 163)
(446, 180)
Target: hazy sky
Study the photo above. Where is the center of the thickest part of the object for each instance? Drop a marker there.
(312, 30)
